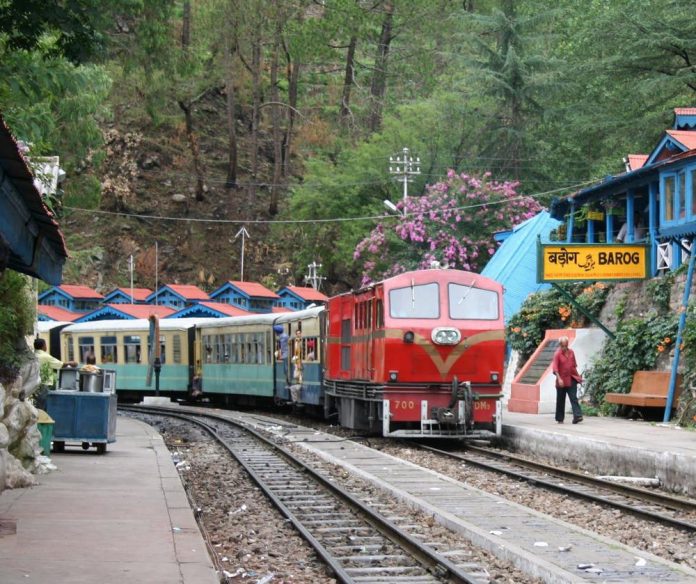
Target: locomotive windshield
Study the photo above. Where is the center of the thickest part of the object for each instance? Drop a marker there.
(469, 303)
(415, 301)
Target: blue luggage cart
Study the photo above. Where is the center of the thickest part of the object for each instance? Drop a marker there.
(86, 417)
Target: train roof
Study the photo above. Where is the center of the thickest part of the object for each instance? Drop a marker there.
(46, 325)
(421, 275)
(168, 324)
(266, 318)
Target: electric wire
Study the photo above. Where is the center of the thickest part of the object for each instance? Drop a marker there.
(313, 220)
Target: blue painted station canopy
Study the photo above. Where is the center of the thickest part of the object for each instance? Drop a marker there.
(29, 234)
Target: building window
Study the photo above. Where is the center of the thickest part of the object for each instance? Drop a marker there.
(669, 198)
(693, 192)
(681, 194)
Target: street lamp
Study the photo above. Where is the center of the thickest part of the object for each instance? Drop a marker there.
(404, 167)
(391, 206)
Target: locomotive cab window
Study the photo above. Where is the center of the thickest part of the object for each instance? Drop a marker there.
(469, 303)
(415, 301)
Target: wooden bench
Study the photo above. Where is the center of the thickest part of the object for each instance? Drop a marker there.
(648, 390)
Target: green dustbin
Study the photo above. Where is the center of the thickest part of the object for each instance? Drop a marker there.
(45, 425)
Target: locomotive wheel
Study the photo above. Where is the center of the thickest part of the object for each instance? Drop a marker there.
(85, 446)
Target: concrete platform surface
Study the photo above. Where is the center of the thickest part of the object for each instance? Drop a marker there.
(121, 517)
(610, 446)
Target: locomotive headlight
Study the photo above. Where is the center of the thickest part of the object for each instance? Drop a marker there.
(495, 376)
(446, 336)
(409, 337)
(393, 376)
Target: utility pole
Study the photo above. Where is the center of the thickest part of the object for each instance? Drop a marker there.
(312, 277)
(244, 233)
(404, 167)
(130, 268)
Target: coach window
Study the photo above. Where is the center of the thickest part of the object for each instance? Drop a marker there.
(163, 346)
(415, 301)
(86, 347)
(368, 311)
(108, 350)
(176, 347)
(234, 348)
(467, 302)
(311, 349)
(71, 350)
(131, 349)
(242, 348)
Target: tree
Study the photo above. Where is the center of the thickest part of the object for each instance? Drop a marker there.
(453, 224)
(508, 68)
(76, 27)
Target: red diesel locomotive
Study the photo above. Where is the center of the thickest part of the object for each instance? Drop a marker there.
(419, 354)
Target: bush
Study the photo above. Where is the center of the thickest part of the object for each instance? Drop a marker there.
(551, 309)
(637, 346)
(16, 319)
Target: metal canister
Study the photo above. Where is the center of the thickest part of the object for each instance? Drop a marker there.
(91, 382)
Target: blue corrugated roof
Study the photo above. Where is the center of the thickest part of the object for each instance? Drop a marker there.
(514, 264)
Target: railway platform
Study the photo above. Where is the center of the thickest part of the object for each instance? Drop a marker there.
(118, 517)
(613, 447)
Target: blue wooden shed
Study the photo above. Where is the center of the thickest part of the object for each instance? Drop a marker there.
(250, 296)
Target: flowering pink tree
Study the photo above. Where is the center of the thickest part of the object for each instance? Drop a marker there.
(453, 223)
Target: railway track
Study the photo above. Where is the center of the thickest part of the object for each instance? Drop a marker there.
(655, 506)
(356, 542)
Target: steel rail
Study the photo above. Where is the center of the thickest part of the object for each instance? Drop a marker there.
(439, 566)
(630, 492)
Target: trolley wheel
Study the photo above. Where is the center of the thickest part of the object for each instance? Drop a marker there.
(58, 446)
(101, 448)
(85, 446)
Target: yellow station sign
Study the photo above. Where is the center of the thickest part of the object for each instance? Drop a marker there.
(566, 262)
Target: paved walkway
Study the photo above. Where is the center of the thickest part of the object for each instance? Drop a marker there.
(118, 518)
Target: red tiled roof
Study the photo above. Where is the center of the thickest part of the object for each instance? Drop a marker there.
(81, 292)
(138, 293)
(280, 309)
(56, 313)
(143, 310)
(254, 289)
(685, 111)
(189, 292)
(227, 309)
(308, 293)
(684, 137)
(636, 161)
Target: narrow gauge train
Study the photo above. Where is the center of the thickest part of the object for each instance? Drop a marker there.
(419, 354)
(123, 346)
